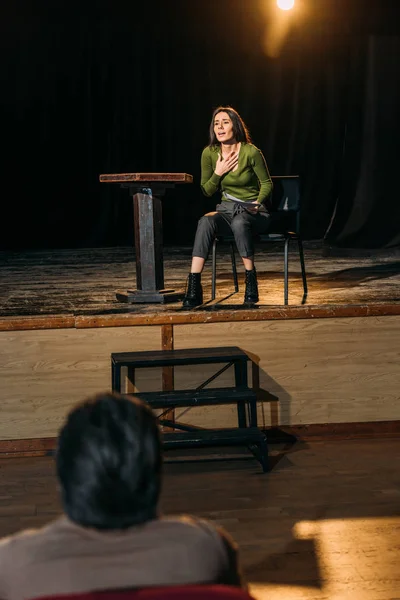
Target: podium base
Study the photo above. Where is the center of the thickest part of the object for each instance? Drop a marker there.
(149, 296)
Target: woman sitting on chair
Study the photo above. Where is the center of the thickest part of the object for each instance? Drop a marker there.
(232, 165)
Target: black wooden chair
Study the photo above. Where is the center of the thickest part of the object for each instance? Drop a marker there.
(285, 227)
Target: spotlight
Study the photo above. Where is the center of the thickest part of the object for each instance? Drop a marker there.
(285, 4)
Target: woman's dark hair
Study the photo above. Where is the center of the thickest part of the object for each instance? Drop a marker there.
(109, 462)
(240, 130)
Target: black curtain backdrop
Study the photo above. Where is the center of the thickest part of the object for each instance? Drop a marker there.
(367, 213)
(131, 87)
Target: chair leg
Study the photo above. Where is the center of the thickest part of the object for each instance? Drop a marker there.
(286, 272)
(214, 269)
(234, 270)
(303, 267)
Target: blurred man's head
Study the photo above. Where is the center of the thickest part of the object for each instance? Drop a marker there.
(109, 462)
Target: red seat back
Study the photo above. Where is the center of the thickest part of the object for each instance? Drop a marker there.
(181, 592)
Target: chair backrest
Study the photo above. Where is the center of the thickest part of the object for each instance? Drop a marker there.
(286, 193)
(286, 204)
(179, 592)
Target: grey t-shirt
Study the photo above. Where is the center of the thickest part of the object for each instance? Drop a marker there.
(64, 558)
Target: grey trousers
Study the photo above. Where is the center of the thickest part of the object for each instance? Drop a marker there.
(242, 225)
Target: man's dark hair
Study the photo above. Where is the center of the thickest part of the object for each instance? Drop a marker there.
(109, 462)
(240, 131)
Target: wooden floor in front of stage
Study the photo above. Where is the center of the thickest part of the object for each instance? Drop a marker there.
(84, 281)
(323, 524)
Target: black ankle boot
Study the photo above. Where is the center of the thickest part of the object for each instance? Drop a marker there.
(194, 291)
(251, 293)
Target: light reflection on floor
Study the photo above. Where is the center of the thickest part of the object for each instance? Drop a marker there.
(356, 558)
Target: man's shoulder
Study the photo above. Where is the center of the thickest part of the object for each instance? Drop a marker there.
(195, 532)
(15, 549)
(208, 539)
(196, 527)
(184, 520)
(193, 526)
(28, 537)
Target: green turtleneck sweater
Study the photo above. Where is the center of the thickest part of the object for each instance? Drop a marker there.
(250, 181)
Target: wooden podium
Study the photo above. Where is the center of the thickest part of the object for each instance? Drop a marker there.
(147, 190)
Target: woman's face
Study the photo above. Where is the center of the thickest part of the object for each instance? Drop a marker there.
(223, 127)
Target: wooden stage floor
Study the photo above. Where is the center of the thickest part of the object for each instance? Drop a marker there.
(324, 524)
(82, 283)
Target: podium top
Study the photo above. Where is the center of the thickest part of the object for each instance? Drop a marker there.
(146, 178)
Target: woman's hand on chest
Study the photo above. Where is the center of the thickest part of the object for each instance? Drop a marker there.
(229, 163)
